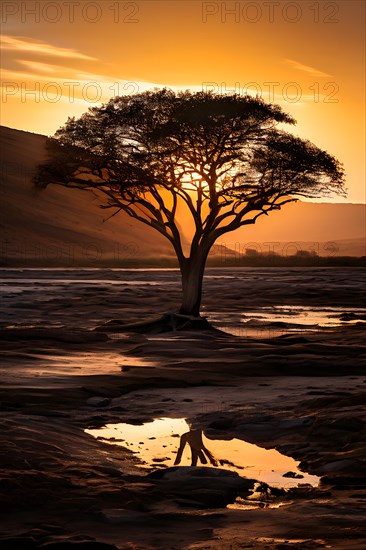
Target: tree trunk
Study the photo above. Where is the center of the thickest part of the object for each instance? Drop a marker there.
(188, 317)
(192, 272)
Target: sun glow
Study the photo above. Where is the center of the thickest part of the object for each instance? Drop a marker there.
(193, 181)
(323, 92)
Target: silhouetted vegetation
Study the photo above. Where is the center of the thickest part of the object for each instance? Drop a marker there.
(222, 158)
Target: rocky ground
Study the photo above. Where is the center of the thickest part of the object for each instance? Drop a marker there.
(302, 393)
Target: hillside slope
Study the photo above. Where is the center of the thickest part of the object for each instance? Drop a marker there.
(57, 225)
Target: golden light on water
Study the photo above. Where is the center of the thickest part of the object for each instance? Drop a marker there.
(155, 443)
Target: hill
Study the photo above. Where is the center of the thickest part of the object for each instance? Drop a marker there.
(66, 227)
(60, 226)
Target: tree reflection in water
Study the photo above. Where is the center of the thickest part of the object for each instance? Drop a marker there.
(198, 449)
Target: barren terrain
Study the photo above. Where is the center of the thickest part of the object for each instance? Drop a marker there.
(68, 365)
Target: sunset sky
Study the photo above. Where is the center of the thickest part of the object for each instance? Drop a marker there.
(59, 58)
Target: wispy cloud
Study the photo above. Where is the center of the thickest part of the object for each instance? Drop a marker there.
(306, 68)
(36, 75)
(39, 68)
(39, 81)
(29, 45)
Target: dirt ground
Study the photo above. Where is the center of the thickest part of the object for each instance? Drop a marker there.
(302, 392)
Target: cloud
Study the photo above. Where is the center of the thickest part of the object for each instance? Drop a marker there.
(306, 68)
(38, 82)
(37, 67)
(29, 45)
(35, 75)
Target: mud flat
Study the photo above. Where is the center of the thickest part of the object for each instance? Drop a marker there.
(297, 386)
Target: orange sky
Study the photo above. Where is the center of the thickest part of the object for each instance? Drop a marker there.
(59, 58)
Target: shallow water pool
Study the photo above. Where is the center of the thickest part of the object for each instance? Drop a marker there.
(272, 321)
(156, 445)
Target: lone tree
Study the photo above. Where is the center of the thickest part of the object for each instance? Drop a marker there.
(223, 156)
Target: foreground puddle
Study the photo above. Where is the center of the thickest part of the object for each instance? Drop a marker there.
(269, 322)
(156, 445)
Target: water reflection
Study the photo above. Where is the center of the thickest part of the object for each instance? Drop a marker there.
(273, 321)
(198, 449)
(51, 366)
(168, 441)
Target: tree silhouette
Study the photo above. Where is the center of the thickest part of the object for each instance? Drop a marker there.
(224, 157)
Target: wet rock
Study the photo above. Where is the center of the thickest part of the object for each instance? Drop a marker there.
(344, 481)
(123, 515)
(189, 503)
(293, 475)
(206, 487)
(221, 424)
(347, 423)
(342, 465)
(206, 498)
(187, 473)
(296, 422)
(98, 401)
